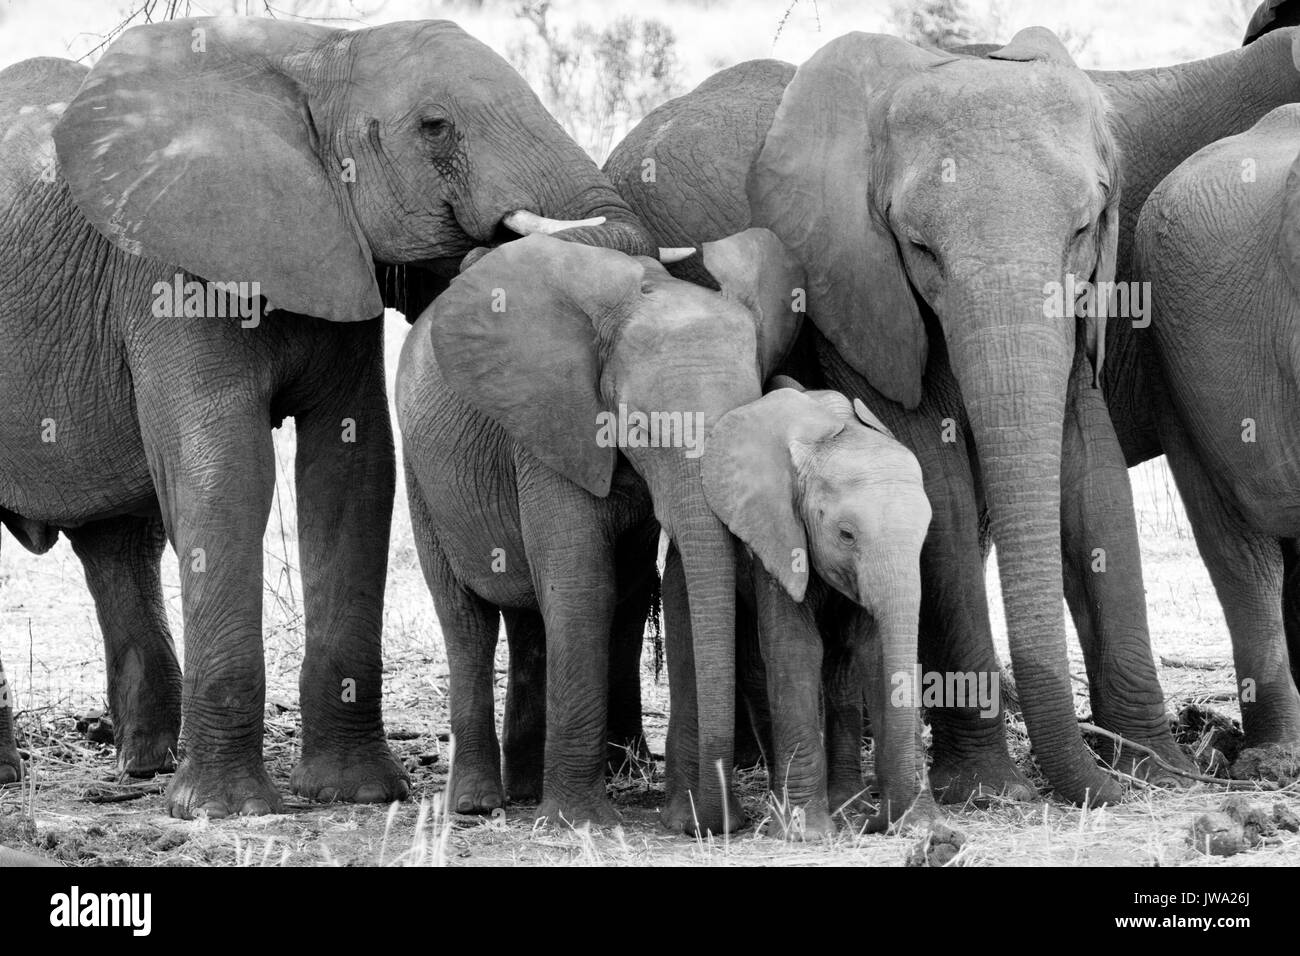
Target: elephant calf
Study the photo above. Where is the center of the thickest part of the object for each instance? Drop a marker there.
(830, 513)
(517, 391)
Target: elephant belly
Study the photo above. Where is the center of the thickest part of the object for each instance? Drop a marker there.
(1249, 439)
(70, 447)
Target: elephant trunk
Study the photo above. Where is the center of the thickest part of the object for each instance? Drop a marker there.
(900, 766)
(1012, 364)
(709, 566)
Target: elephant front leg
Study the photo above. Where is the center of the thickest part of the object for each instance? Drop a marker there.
(121, 558)
(1103, 585)
(344, 476)
(792, 656)
(215, 474)
(11, 763)
(576, 592)
(524, 731)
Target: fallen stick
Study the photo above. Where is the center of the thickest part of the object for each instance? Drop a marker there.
(1165, 765)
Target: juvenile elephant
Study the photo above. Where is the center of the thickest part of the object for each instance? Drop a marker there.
(291, 166)
(552, 402)
(813, 479)
(1219, 241)
(934, 200)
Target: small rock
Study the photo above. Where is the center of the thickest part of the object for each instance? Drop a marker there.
(1217, 834)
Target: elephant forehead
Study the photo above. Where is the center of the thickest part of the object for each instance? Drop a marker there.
(997, 93)
(397, 56)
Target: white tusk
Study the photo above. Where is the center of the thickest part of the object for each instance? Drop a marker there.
(672, 254)
(529, 223)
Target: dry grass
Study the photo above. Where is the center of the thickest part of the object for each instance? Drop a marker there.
(72, 809)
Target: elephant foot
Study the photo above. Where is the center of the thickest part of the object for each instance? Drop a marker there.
(11, 768)
(146, 753)
(1139, 764)
(978, 779)
(371, 775)
(475, 789)
(806, 824)
(593, 810)
(1278, 763)
(681, 815)
(222, 790)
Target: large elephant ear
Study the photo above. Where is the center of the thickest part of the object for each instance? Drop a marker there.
(193, 142)
(813, 186)
(514, 336)
(756, 269)
(749, 478)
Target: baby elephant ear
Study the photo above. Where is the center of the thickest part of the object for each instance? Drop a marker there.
(868, 418)
(514, 337)
(756, 269)
(749, 479)
(194, 142)
(1035, 43)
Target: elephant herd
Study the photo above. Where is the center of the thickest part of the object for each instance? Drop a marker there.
(829, 330)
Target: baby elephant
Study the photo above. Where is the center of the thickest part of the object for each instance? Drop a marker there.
(830, 512)
(553, 405)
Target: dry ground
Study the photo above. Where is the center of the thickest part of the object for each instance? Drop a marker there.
(72, 809)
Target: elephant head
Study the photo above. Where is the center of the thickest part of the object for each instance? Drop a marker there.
(299, 156)
(808, 474)
(581, 353)
(910, 184)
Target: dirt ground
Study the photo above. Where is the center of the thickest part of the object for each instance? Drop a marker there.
(72, 809)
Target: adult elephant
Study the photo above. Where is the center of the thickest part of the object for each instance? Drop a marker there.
(303, 161)
(1219, 241)
(933, 199)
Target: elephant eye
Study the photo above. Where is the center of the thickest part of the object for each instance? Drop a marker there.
(847, 536)
(435, 127)
(921, 249)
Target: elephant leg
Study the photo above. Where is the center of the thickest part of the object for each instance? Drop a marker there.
(1291, 603)
(753, 710)
(681, 753)
(11, 762)
(523, 734)
(572, 559)
(344, 479)
(843, 687)
(214, 475)
(121, 558)
(1246, 569)
(637, 585)
(469, 633)
(1103, 585)
(792, 659)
